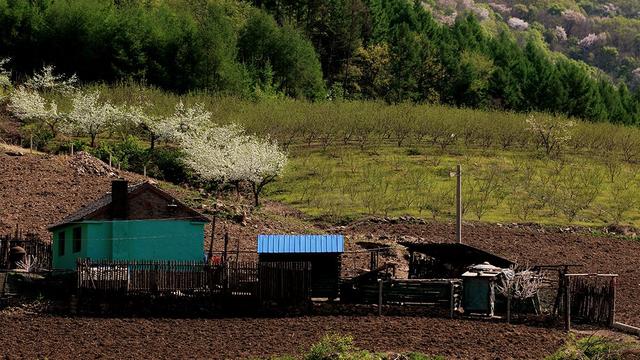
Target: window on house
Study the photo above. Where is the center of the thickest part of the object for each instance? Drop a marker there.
(61, 243)
(77, 239)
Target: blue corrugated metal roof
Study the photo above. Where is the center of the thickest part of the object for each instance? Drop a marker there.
(279, 244)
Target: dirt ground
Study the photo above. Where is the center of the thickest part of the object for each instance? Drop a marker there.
(38, 190)
(235, 338)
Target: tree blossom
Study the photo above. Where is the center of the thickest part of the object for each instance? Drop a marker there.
(573, 16)
(561, 33)
(518, 24)
(227, 154)
(45, 80)
(91, 116)
(551, 133)
(501, 8)
(258, 162)
(28, 105)
(592, 39)
(185, 118)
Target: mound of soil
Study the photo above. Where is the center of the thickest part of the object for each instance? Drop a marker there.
(236, 338)
(39, 190)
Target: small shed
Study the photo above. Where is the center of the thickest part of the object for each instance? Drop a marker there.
(322, 251)
(447, 260)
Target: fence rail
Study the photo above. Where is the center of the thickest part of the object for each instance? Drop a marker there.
(264, 282)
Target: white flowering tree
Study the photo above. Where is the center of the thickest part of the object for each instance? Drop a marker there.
(45, 80)
(551, 133)
(259, 162)
(225, 154)
(172, 127)
(90, 115)
(29, 106)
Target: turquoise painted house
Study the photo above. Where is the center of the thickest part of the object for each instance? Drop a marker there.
(140, 222)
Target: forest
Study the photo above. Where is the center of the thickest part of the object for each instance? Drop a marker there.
(394, 51)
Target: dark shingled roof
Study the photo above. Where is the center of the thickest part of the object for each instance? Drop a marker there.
(94, 207)
(457, 253)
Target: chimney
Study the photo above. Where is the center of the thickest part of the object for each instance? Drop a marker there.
(119, 202)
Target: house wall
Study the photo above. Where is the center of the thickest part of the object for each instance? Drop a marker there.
(68, 259)
(180, 240)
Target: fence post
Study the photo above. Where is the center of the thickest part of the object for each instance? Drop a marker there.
(567, 303)
(452, 304)
(379, 297)
(612, 309)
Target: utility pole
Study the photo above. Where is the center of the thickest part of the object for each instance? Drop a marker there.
(458, 204)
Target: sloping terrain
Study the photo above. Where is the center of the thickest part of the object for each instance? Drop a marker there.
(37, 190)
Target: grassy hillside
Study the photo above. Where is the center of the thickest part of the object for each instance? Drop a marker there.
(354, 158)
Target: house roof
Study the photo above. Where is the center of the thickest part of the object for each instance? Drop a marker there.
(299, 244)
(101, 205)
(455, 253)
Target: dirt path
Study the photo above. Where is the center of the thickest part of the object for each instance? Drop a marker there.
(25, 336)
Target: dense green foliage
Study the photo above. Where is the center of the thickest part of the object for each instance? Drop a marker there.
(371, 49)
(392, 50)
(178, 45)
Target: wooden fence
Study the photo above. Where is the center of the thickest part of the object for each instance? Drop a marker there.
(438, 293)
(590, 298)
(36, 250)
(264, 282)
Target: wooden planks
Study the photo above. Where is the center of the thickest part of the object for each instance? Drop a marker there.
(271, 282)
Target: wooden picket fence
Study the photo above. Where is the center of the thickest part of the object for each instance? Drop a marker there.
(277, 281)
(590, 298)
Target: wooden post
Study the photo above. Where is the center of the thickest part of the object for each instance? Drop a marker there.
(452, 304)
(458, 204)
(612, 310)
(379, 297)
(31, 144)
(109, 160)
(509, 307)
(226, 244)
(213, 231)
(567, 303)
(71, 149)
(144, 170)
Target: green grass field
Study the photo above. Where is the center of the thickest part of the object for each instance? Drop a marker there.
(344, 182)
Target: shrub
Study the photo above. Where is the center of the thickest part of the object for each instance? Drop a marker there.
(593, 347)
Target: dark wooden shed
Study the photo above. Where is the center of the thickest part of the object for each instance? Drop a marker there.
(447, 260)
(322, 251)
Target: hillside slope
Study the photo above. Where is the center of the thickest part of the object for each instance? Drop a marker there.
(37, 190)
(603, 34)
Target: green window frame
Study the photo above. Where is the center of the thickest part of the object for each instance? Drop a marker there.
(61, 243)
(77, 239)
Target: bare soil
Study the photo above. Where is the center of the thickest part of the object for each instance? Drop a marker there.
(38, 190)
(60, 338)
